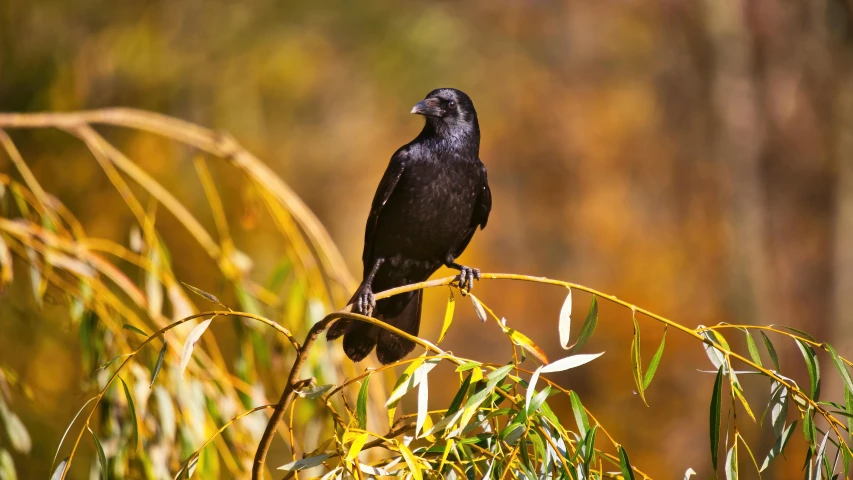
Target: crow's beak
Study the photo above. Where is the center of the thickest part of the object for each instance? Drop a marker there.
(430, 107)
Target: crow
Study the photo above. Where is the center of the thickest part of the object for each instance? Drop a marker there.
(430, 201)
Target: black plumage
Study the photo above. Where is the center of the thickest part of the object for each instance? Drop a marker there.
(430, 201)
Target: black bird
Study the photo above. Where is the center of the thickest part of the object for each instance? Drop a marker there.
(430, 201)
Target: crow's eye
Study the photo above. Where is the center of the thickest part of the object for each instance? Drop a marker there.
(451, 104)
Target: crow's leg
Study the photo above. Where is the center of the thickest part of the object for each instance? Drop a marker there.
(467, 275)
(365, 301)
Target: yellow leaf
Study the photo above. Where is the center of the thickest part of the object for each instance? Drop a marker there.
(476, 375)
(522, 340)
(356, 446)
(448, 317)
(411, 461)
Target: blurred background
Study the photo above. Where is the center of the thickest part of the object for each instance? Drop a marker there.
(694, 158)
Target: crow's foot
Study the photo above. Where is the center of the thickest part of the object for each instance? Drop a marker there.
(466, 277)
(364, 302)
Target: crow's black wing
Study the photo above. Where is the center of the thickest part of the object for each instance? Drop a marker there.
(484, 202)
(480, 216)
(383, 193)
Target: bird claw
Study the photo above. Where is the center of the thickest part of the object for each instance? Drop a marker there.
(365, 302)
(466, 277)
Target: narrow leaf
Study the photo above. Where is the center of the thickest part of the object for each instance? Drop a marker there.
(716, 401)
(771, 350)
(580, 414)
(132, 409)
(524, 342)
(565, 326)
(653, 366)
(448, 316)
(315, 392)
(356, 446)
(731, 463)
(716, 356)
(481, 313)
(130, 327)
(841, 367)
(636, 361)
(423, 404)
(361, 406)
(59, 447)
(102, 458)
(779, 446)
(627, 471)
(738, 392)
(813, 368)
(778, 407)
(411, 461)
(560, 365)
(159, 364)
(57, 474)
(588, 327)
(193, 337)
(304, 463)
(207, 296)
(753, 349)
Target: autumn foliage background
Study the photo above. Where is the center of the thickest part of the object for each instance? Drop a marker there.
(695, 158)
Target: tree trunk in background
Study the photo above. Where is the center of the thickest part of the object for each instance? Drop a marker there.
(842, 324)
(740, 134)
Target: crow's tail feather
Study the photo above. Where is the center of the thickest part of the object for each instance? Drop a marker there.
(392, 347)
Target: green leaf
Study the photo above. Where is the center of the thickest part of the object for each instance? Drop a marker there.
(113, 360)
(159, 364)
(716, 405)
(565, 324)
(538, 400)
(813, 368)
(797, 331)
(772, 351)
(588, 327)
(809, 429)
(460, 396)
(580, 414)
(102, 458)
(731, 463)
(753, 349)
(848, 407)
(132, 408)
(653, 366)
(841, 367)
(130, 327)
(361, 406)
(627, 471)
(779, 446)
(636, 361)
(468, 366)
(448, 317)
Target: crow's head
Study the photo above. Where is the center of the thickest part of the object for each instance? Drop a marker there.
(448, 109)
